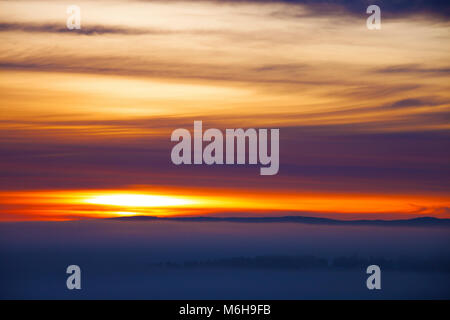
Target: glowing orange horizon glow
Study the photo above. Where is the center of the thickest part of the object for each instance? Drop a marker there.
(76, 204)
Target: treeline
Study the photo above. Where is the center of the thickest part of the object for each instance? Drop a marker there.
(312, 262)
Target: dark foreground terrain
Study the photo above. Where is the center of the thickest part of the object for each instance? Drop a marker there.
(147, 258)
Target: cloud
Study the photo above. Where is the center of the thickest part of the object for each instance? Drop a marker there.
(121, 65)
(412, 103)
(392, 9)
(414, 68)
(85, 30)
(321, 157)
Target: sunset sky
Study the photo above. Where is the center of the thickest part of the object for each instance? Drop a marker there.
(86, 115)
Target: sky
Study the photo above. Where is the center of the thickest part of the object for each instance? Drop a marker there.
(86, 115)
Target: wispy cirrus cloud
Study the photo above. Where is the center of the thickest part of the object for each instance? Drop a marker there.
(398, 8)
(86, 30)
(414, 68)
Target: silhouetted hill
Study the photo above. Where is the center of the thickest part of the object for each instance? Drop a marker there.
(422, 221)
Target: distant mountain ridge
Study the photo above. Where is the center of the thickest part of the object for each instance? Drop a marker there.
(421, 221)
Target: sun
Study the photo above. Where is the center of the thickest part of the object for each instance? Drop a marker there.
(139, 200)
